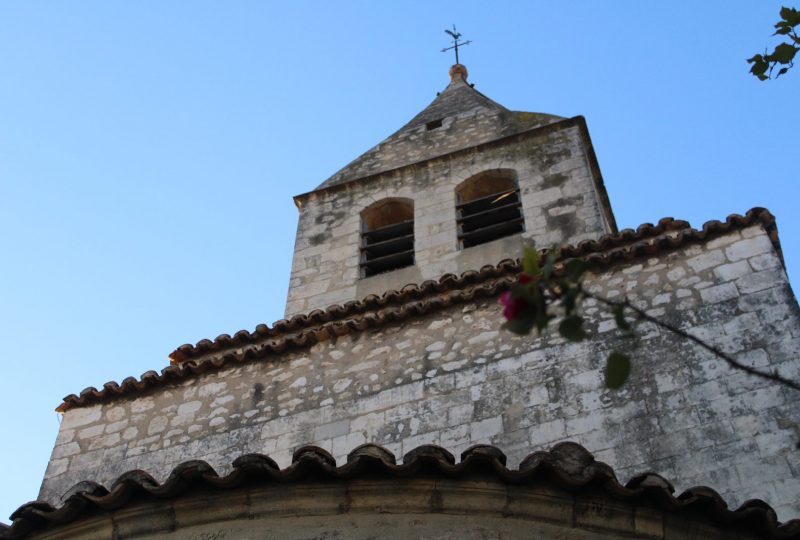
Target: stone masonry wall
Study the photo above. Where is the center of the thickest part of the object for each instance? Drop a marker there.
(559, 201)
(454, 379)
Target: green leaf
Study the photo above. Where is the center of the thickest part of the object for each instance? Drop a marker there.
(530, 261)
(783, 53)
(618, 367)
(790, 15)
(521, 325)
(572, 328)
(782, 71)
(760, 67)
(619, 317)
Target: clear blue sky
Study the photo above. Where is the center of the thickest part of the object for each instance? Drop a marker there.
(149, 152)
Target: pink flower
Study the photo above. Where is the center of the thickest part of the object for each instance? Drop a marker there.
(511, 305)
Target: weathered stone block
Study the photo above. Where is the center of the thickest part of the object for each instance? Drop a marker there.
(750, 247)
(82, 416)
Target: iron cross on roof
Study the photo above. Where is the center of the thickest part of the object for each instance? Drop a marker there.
(456, 36)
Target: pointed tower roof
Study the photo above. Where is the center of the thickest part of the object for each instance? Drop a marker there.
(458, 118)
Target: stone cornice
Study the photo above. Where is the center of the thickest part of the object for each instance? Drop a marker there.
(564, 487)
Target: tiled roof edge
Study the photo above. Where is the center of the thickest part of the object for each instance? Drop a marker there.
(450, 281)
(319, 325)
(567, 465)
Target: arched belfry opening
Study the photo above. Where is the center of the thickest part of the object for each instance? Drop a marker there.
(488, 207)
(387, 236)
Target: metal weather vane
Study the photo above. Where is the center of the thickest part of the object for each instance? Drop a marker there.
(456, 44)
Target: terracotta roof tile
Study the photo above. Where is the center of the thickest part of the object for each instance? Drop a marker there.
(373, 311)
(567, 466)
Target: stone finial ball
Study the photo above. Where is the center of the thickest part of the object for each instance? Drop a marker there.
(458, 70)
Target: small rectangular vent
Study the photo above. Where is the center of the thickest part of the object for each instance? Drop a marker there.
(433, 124)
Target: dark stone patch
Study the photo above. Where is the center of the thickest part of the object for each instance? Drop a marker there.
(552, 158)
(555, 388)
(428, 364)
(566, 223)
(274, 391)
(492, 403)
(318, 239)
(390, 432)
(258, 393)
(566, 201)
(710, 313)
(673, 317)
(330, 217)
(542, 154)
(233, 422)
(790, 299)
(554, 180)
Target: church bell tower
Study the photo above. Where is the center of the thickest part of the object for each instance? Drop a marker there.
(465, 183)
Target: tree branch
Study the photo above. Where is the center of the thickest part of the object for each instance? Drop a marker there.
(732, 362)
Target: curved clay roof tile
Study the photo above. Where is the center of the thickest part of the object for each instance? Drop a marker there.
(411, 300)
(567, 466)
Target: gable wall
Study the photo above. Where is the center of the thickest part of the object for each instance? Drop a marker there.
(558, 198)
(452, 378)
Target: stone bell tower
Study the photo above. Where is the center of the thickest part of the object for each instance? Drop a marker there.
(465, 183)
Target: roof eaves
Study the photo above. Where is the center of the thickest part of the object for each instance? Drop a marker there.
(302, 331)
(566, 466)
